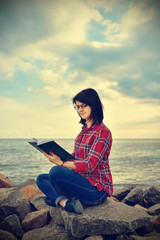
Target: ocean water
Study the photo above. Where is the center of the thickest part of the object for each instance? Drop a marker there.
(132, 161)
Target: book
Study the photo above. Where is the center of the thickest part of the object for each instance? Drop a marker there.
(51, 146)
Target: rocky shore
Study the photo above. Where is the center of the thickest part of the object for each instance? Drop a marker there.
(130, 214)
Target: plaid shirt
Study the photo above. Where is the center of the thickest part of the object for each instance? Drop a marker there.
(91, 152)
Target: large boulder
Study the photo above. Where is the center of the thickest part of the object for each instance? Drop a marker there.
(109, 218)
(135, 196)
(36, 219)
(13, 202)
(152, 195)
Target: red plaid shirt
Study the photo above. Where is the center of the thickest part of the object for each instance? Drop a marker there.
(91, 152)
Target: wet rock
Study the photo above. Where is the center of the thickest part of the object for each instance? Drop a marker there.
(35, 219)
(4, 181)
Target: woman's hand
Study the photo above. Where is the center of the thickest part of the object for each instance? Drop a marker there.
(53, 158)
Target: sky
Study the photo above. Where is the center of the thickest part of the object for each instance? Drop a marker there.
(51, 50)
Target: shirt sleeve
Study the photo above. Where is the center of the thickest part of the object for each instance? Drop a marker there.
(100, 146)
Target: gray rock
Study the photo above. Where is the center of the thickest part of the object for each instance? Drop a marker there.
(94, 238)
(26, 183)
(4, 235)
(122, 237)
(108, 218)
(154, 210)
(121, 193)
(35, 219)
(152, 195)
(151, 236)
(52, 232)
(135, 196)
(12, 201)
(12, 224)
(38, 202)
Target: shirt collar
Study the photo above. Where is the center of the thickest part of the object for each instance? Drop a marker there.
(90, 128)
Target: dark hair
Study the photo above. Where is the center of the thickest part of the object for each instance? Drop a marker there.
(90, 97)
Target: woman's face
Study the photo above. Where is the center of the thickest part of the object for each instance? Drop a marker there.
(83, 110)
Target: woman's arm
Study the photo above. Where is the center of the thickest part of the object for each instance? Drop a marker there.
(57, 160)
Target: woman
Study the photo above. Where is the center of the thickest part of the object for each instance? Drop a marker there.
(87, 179)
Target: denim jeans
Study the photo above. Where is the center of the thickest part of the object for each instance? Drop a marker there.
(62, 183)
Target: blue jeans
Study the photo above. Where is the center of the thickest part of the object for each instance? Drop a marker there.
(62, 183)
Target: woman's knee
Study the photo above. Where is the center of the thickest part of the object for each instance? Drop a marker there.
(55, 172)
(40, 179)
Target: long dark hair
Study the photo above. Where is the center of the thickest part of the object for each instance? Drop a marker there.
(90, 97)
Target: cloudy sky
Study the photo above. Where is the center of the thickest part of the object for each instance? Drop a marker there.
(50, 50)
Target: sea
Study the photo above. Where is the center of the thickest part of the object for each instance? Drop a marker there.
(133, 162)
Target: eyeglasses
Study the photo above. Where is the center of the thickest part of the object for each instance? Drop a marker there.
(80, 106)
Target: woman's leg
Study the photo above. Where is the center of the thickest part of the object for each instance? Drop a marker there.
(54, 198)
(44, 184)
(67, 181)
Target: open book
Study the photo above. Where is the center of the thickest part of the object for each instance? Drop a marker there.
(51, 146)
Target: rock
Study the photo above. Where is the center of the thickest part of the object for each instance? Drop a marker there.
(121, 193)
(154, 210)
(36, 219)
(4, 181)
(135, 196)
(151, 236)
(12, 224)
(94, 238)
(38, 202)
(4, 235)
(30, 191)
(141, 208)
(109, 218)
(157, 223)
(121, 237)
(152, 195)
(52, 232)
(26, 183)
(13, 202)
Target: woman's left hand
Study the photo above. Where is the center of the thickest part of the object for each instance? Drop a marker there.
(53, 158)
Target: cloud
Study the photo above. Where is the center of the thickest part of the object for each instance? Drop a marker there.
(51, 50)
(39, 120)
